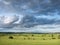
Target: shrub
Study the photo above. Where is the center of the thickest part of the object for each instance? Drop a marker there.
(24, 38)
(32, 35)
(44, 39)
(11, 37)
(58, 36)
(28, 38)
(33, 38)
(52, 35)
(53, 38)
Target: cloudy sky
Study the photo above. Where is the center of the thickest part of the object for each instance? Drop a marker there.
(29, 15)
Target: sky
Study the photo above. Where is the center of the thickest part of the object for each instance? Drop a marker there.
(29, 15)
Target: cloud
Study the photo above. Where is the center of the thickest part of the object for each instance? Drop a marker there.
(40, 6)
(37, 29)
(8, 21)
(34, 13)
(47, 28)
(33, 7)
(6, 3)
(31, 21)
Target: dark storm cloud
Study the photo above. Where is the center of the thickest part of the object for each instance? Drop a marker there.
(33, 6)
(36, 6)
(30, 21)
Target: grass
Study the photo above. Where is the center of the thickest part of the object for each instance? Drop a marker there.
(29, 39)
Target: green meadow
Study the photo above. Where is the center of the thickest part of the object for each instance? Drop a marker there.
(29, 39)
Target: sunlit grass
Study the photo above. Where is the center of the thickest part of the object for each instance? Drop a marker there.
(30, 39)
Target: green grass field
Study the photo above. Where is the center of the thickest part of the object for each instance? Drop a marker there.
(30, 39)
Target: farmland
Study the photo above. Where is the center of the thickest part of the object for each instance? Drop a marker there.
(29, 39)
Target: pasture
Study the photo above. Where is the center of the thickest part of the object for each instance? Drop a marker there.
(29, 39)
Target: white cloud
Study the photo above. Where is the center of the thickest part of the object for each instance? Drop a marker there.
(38, 28)
(47, 28)
(6, 2)
(8, 20)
